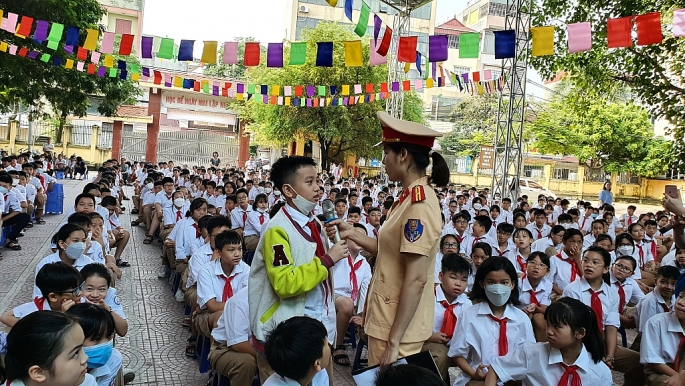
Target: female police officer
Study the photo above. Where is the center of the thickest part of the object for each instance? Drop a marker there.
(399, 308)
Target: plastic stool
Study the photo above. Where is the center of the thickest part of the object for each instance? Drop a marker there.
(356, 365)
(5, 232)
(203, 344)
(59, 174)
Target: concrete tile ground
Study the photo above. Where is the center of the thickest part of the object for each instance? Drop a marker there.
(155, 343)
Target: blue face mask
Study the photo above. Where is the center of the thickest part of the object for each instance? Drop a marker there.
(594, 215)
(3, 190)
(99, 354)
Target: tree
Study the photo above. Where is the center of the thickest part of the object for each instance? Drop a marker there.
(655, 74)
(475, 122)
(232, 71)
(617, 137)
(338, 129)
(34, 83)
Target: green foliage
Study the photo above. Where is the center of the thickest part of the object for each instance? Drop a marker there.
(615, 136)
(33, 83)
(338, 129)
(655, 74)
(475, 122)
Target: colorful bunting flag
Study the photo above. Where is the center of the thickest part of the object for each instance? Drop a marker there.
(252, 54)
(72, 36)
(679, 22)
(437, 48)
(209, 52)
(469, 45)
(618, 32)
(649, 29)
(274, 55)
(25, 27)
(298, 53)
(332, 3)
(407, 49)
(353, 53)
(41, 32)
(348, 9)
(9, 23)
(505, 44)
(185, 50)
(230, 53)
(146, 47)
(385, 43)
(377, 23)
(324, 54)
(543, 41)
(363, 22)
(92, 38)
(166, 49)
(56, 31)
(126, 44)
(579, 37)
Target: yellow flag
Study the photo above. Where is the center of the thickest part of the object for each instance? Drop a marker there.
(406, 67)
(239, 97)
(275, 90)
(70, 64)
(332, 3)
(178, 81)
(287, 101)
(209, 53)
(328, 101)
(480, 88)
(543, 40)
(429, 83)
(3, 46)
(135, 77)
(91, 40)
(346, 89)
(109, 61)
(353, 54)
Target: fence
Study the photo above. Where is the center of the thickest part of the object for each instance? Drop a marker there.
(105, 136)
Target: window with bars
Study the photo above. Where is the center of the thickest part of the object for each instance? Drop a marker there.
(453, 42)
(123, 26)
(497, 9)
(458, 70)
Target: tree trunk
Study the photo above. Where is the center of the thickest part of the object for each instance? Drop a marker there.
(324, 154)
(60, 128)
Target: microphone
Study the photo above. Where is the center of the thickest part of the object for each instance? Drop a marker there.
(328, 211)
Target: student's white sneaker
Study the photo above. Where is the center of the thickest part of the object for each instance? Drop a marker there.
(179, 296)
(163, 272)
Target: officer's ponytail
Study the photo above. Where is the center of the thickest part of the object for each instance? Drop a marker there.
(441, 172)
(422, 156)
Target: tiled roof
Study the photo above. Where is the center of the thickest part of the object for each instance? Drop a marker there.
(452, 27)
(132, 111)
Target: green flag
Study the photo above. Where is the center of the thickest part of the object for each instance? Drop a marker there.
(363, 23)
(56, 32)
(45, 58)
(112, 72)
(166, 49)
(298, 53)
(469, 45)
(251, 89)
(322, 90)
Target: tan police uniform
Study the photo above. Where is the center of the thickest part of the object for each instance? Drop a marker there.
(413, 225)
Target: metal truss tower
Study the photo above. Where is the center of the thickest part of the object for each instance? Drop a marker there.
(400, 27)
(512, 105)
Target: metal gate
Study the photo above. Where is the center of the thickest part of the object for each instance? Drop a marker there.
(192, 147)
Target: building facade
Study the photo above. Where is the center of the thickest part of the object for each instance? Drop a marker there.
(124, 17)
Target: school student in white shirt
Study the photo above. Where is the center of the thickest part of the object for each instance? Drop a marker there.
(629, 291)
(255, 221)
(661, 300)
(479, 231)
(662, 342)
(523, 239)
(645, 259)
(556, 235)
(351, 277)
(591, 289)
(450, 301)
(565, 265)
(573, 356)
(539, 227)
(492, 328)
(240, 213)
(535, 292)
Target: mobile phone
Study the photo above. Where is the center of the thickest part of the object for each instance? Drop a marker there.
(672, 190)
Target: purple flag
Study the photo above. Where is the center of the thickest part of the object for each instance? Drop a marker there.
(146, 71)
(33, 54)
(265, 99)
(215, 90)
(274, 55)
(101, 71)
(69, 49)
(309, 102)
(41, 32)
(437, 48)
(435, 70)
(240, 89)
(377, 22)
(346, 100)
(395, 86)
(146, 45)
(310, 91)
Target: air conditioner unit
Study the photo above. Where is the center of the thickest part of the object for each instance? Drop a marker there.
(304, 9)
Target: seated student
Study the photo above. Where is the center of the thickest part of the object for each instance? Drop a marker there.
(460, 225)
(493, 327)
(494, 216)
(298, 352)
(450, 302)
(60, 288)
(554, 240)
(597, 227)
(12, 214)
(148, 204)
(408, 375)
(98, 247)
(611, 230)
(240, 213)
(539, 227)
(565, 266)
(104, 361)
(97, 290)
(591, 289)
(479, 253)
(354, 215)
(138, 198)
(186, 234)
(255, 221)
(662, 342)
(658, 251)
(448, 244)
(645, 259)
(678, 259)
(479, 231)
(373, 224)
(523, 239)
(628, 218)
(61, 361)
(351, 277)
(172, 215)
(536, 290)
(71, 246)
(504, 242)
(229, 205)
(163, 199)
(628, 290)
(219, 280)
(573, 356)
(662, 299)
(121, 235)
(231, 355)
(212, 210)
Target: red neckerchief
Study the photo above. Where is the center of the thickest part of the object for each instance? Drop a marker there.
(39, 301)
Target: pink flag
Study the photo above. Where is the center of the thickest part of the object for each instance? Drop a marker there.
(107, 43)
(579, 37)
(487, 75)
(95, 57)
(79, 66)
(375, 59)
(13, 49)
(287, 90)
(418, 84)
(679, 22)
(230, 53)
(10, 24)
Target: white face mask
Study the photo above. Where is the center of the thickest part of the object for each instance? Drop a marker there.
(179, 202)
(498, 294)
(302, 204)
(477, 206)
(566, 225)
(260, 189)
(150, 185)
(98, 200)
(267, 190)
(15, 182)
(624, 250)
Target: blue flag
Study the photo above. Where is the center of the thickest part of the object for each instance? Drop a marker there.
(348, 9)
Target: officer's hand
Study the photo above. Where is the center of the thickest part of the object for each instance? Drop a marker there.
(338, 251)
(345, 229)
